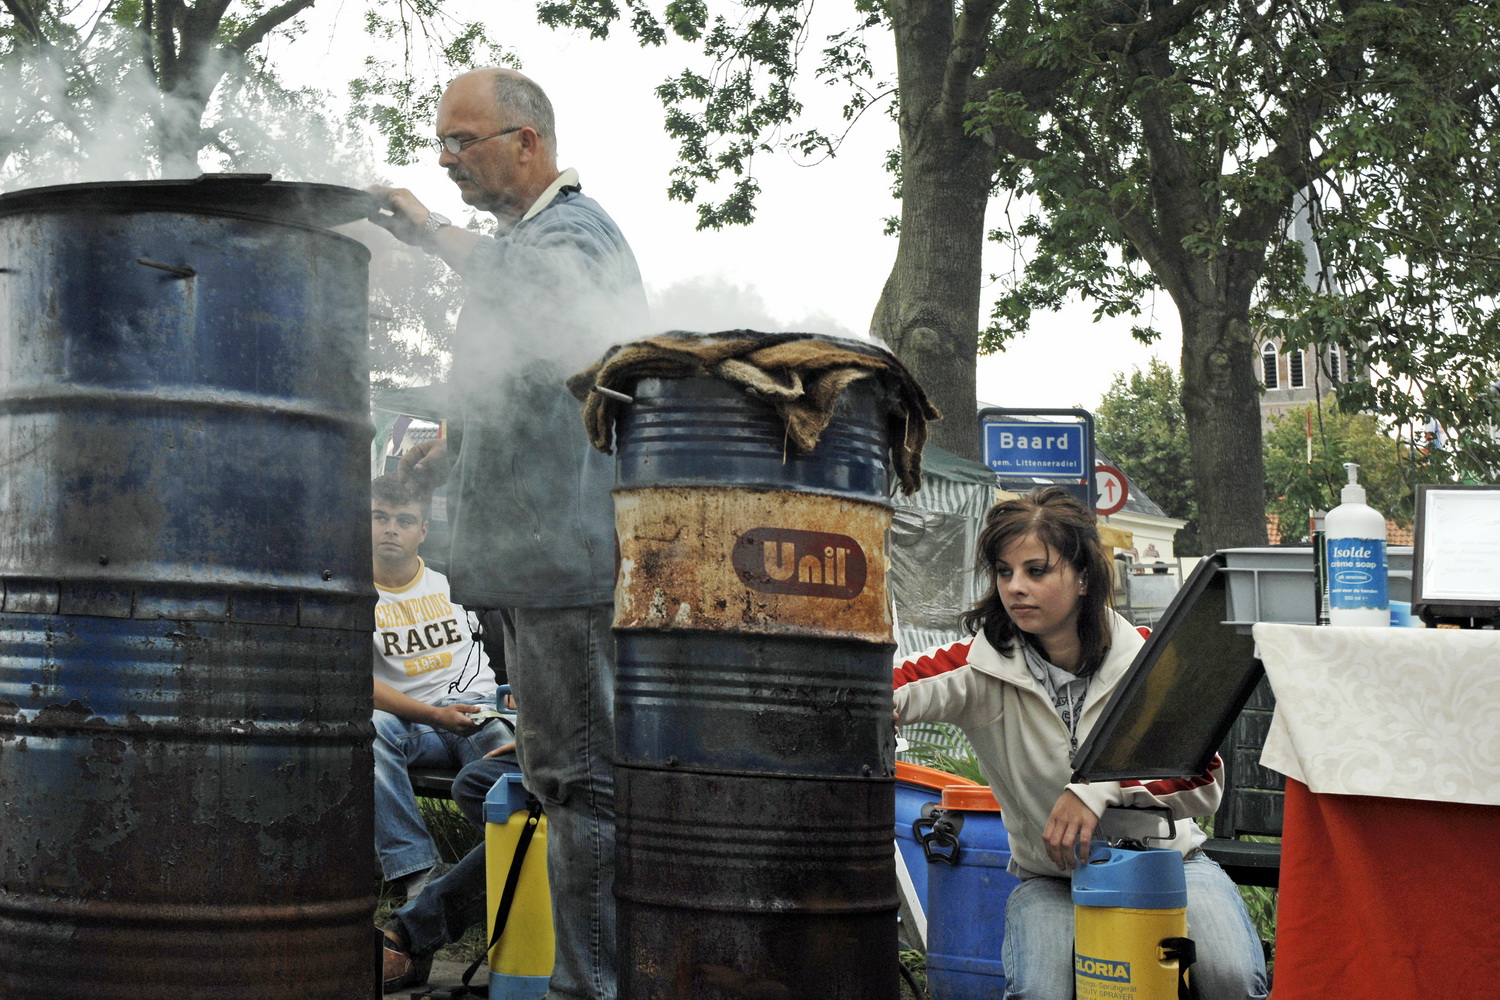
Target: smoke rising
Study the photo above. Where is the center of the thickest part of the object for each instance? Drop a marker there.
(103, 118)
(115, 125)
(716, 303)
(87, 109)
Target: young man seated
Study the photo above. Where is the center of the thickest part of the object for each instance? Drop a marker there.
(431, 677)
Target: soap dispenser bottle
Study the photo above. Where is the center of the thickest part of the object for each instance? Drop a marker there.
(1358, 581)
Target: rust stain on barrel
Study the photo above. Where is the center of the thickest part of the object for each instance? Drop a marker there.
(755, 561)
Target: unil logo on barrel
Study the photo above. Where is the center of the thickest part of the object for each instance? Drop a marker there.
(805, 563)
(1101, 968)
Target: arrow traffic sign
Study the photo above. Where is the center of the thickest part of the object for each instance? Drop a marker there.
(1110, 488)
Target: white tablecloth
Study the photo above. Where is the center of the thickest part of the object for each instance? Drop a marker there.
(1396, 712)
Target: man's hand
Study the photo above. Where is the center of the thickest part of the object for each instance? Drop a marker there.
(455, 719)
(426, 464)
(407, 215)
(502, 750)
(1071, 823)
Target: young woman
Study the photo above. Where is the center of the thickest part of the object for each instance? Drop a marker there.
(1045, 655)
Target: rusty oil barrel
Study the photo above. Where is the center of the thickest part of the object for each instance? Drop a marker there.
(185, 738)
(753, 773)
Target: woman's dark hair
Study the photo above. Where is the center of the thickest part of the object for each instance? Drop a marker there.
(1069, 531)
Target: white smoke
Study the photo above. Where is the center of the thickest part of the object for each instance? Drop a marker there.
(708, 304)
(94, 113)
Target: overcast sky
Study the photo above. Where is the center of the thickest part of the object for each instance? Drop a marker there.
(815, 259)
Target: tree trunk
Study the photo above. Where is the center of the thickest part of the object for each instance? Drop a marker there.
(1221, 401)
(929, 309)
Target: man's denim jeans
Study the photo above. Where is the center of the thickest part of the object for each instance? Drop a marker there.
(561, 666)
(1038, 949)
(401, 838)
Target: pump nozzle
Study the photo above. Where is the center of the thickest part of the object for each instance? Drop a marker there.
(1353, 492)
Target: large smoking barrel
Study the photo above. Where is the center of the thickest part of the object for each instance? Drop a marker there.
(753, 773)
(185, 738)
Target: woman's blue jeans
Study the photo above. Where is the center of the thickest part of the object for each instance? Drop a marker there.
(1038, 948)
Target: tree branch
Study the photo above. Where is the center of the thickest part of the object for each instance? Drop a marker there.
(1115, 28)
(1289, 155)
(201, 23)
(1113, 34)
(1470, 96)
(265, 24)
(1175, 186)
(141, 36)
(26, 17)
(164, 32)
(970, 43)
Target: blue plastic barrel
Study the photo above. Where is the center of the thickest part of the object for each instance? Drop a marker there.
(967, 888)
(919, 790)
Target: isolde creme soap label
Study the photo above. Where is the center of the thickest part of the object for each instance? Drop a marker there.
(1356, 573)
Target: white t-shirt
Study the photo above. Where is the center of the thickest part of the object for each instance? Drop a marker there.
(424, 644)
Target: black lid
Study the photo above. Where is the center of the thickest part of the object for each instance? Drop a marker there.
(252, 195)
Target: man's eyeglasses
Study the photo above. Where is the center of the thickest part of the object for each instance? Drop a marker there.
(455, 145)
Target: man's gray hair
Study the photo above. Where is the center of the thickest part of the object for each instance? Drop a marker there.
(526, 103)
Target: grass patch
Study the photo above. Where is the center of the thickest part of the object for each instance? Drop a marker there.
(944, 758)
(454, 835)
(916, 964)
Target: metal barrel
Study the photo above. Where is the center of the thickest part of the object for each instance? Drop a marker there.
(185, 596)
(754, 742)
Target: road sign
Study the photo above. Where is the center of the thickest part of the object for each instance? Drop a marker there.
(1110, 488)
(1032, 448)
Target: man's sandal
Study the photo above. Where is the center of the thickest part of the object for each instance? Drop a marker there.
(400, 970)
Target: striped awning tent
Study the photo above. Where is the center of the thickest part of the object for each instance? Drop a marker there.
(933, 581)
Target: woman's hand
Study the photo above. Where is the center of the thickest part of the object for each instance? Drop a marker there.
(1071, 823)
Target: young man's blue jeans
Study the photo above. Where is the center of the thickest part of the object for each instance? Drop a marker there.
(450, 905)
(401, 837)
(1038, 949)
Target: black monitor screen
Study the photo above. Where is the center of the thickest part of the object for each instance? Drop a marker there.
(1178, 699)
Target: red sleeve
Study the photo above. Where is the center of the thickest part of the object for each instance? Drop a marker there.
(937, 660)
(1170, 786)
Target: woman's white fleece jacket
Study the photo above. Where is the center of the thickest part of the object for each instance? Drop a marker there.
(1022, 744)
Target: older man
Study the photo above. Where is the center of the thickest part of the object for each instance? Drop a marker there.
(533, 523)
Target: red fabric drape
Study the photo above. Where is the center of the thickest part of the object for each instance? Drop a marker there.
(1388, 898)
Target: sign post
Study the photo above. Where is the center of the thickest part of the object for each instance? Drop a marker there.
(1026, 448)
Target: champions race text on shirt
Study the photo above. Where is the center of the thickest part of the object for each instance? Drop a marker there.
(424, 644)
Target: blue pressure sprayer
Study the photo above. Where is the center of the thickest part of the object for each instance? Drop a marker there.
(1130, 922)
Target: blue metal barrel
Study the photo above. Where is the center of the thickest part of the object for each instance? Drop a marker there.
(755, 747)
(185, 597)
